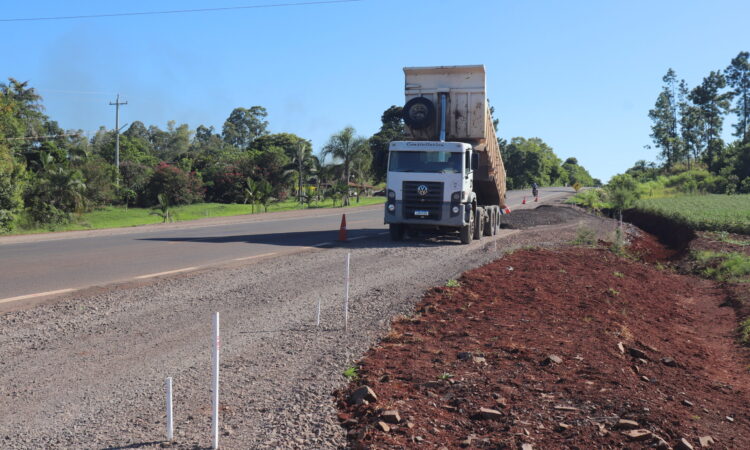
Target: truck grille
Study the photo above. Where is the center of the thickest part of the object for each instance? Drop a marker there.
(415, 205)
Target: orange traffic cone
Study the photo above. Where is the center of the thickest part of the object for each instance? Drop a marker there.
(342, 230)
(524, 201)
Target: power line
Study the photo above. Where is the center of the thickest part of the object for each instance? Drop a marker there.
(179, 11)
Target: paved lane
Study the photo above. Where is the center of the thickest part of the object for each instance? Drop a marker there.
(77, 260)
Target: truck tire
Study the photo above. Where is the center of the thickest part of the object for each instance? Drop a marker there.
(489, 223)
(467, 230)
(479, 224)
(419, 113)
(397, 231)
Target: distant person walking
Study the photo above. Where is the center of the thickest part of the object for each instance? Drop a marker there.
(534, 190)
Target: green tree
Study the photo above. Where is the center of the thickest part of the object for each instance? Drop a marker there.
(664, 117)
(576, 173)
(345, 146)
(163, 208)
(392, 129)
(265, 193)
(691, 124)
(245, 125)
(738, 77)
(712, 105)
(623, 193)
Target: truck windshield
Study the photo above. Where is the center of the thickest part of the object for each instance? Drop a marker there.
(430, 162)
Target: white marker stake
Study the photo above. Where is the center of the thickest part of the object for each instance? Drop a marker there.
(170, 422)
(215, 383)
(346, 295)
(317, 317)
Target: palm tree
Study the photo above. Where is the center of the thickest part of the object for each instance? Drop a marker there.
(163, 209)
(302, 161)
(345, 146)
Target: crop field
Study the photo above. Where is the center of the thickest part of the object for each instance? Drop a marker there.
(710, 212)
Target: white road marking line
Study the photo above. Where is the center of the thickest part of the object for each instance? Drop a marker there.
(255, 256)
(40, 294)
(169, 272)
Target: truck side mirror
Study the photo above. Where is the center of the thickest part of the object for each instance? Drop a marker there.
(474, 161)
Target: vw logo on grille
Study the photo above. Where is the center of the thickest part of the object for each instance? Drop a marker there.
(422, 190)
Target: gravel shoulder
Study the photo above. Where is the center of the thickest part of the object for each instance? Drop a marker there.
(88, 371)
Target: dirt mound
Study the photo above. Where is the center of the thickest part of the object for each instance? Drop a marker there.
(542, 215)
(558, 346)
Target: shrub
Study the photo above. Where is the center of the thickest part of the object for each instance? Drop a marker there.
(180, 187)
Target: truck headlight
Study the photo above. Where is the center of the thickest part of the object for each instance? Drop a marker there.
(391, 207)
(391, 194)
(455, 210)
(456, 196)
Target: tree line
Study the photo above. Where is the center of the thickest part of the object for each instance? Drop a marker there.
(687, 128)
(49, 175)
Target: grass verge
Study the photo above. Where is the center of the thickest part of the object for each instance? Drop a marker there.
(118, 217)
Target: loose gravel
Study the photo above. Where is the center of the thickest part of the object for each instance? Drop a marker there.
(88, 371)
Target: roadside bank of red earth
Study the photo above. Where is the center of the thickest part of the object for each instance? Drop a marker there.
(559, 348)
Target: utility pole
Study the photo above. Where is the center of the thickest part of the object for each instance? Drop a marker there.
(117, 104)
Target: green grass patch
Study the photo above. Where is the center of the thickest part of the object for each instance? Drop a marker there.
(118, 217)
(709, 212)
(351, 373)
(745, 331)
(452, 283)
(728, 267)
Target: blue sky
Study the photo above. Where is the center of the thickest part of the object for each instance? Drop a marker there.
(580, 75)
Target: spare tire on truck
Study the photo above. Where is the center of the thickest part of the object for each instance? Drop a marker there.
(419, 113)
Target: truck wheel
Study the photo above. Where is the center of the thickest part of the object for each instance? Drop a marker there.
(397, 231)
(467, 230)
(489, 222)
(479, 224)
(419, 113)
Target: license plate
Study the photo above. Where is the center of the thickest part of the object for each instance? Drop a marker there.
(421, 212)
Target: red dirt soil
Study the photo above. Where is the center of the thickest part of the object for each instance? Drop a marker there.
(487, 344)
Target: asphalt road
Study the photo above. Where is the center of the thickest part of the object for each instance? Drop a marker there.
(56, 263)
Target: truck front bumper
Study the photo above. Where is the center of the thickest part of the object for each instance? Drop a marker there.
(447, 219)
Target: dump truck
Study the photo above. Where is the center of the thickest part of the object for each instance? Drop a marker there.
(449, 176)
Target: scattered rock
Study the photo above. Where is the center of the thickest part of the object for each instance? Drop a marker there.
(409, 425)
(638, 435)
(645, 378)
(391, 416)
(490, 414)
(463, 356)
(467, 442)
(363, 393)
(479, 360)
(348, 423)
(659, 442)
(383, 426)
(566, 408)
(527, 447)
(706, 441)
(730, 419)
(625, 424)
(563, 426)
(621, 347)
(551, 359)
(669, 362)
(687, 403)
(683, 444)
(635, 353)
